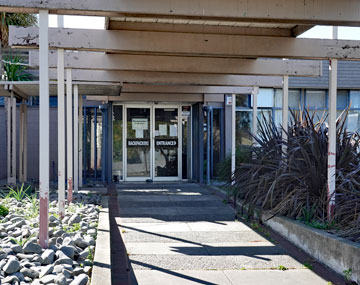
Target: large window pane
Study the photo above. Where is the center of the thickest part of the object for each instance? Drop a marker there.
(355, 99)
(242, 100)
(316, 99)
(342, 99)
(243, 128)
(353, 121)
(265, 98)
(294, 98)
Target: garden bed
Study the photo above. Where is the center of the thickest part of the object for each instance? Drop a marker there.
(69, 258)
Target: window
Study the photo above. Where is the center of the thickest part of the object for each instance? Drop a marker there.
(315, 99)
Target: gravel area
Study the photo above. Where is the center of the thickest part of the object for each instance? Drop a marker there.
(69, 258)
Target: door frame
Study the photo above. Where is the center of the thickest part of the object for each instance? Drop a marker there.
(152, 108)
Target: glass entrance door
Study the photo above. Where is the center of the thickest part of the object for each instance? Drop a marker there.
(166, 143)
(152, 136)
(138, 144)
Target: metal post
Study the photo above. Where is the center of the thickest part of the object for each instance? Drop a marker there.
(233, 136)
(255, 93)
(285, 112)
(95, 143)
(81, 124)
(44, 130)
(208, 138)
(76, 138)
(61, 132)
(331, 184)
(69, 131)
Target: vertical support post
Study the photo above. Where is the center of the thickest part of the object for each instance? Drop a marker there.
(285, 112)
(21, 143)
(61, 131)
(208, 142)
(233, 137)
(13, 139)
(255, 93)
(25, 143)
(44, 130)
(85, 142)
(95, 143)
(211, 142)
(331, 184)
(8, 122)
(81, 126)
(69, 131)
(76, 138)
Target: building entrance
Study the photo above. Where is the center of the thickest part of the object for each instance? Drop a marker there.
(153, 143)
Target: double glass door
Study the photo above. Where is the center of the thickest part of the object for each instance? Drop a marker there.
(152, 143)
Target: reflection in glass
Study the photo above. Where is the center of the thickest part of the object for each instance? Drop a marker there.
(138, 131)
(166, 142)
(243, 128)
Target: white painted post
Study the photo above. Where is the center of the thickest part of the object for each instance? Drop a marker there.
(81, 125)
(44, 135)
(331, 185)
(285, 111)
(76, 138)
(233, 136)
(25, 143)
(69, 130)
(61, 132)
(8, 122)
(21, 143)
(13, 139)
(255, 111)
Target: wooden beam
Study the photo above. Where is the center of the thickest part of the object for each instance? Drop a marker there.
(190, 44)
(198, 29)
(145, 88)
(142, 77)
(150, 97)
(329, 12)
(102, 61)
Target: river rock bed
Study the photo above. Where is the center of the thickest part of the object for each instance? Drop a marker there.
(69, 258)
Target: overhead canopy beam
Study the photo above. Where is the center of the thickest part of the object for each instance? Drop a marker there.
(190, 44)
(329, 12)
(102, 61)
(143, 77)
(114, 24)
(144, 88)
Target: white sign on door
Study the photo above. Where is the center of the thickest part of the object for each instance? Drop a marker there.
(140, 124)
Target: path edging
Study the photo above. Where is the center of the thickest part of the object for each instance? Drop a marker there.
(337, 253)
(101, 272)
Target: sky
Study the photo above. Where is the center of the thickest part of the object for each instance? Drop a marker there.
(320, 32)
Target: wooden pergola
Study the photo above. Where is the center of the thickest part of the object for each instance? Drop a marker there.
(179, 45)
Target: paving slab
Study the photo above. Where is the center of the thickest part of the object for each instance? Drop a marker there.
(183, 234)
(193, 237)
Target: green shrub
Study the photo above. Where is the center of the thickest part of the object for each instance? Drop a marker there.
(294, 183)
(243, 155)
(3, 211)
(19, 193)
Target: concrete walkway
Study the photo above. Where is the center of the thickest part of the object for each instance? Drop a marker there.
(182, 234)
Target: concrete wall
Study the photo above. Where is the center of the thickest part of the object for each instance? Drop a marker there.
(32, 143)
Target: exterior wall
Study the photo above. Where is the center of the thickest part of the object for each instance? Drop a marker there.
(348, 77)
(32, 143)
